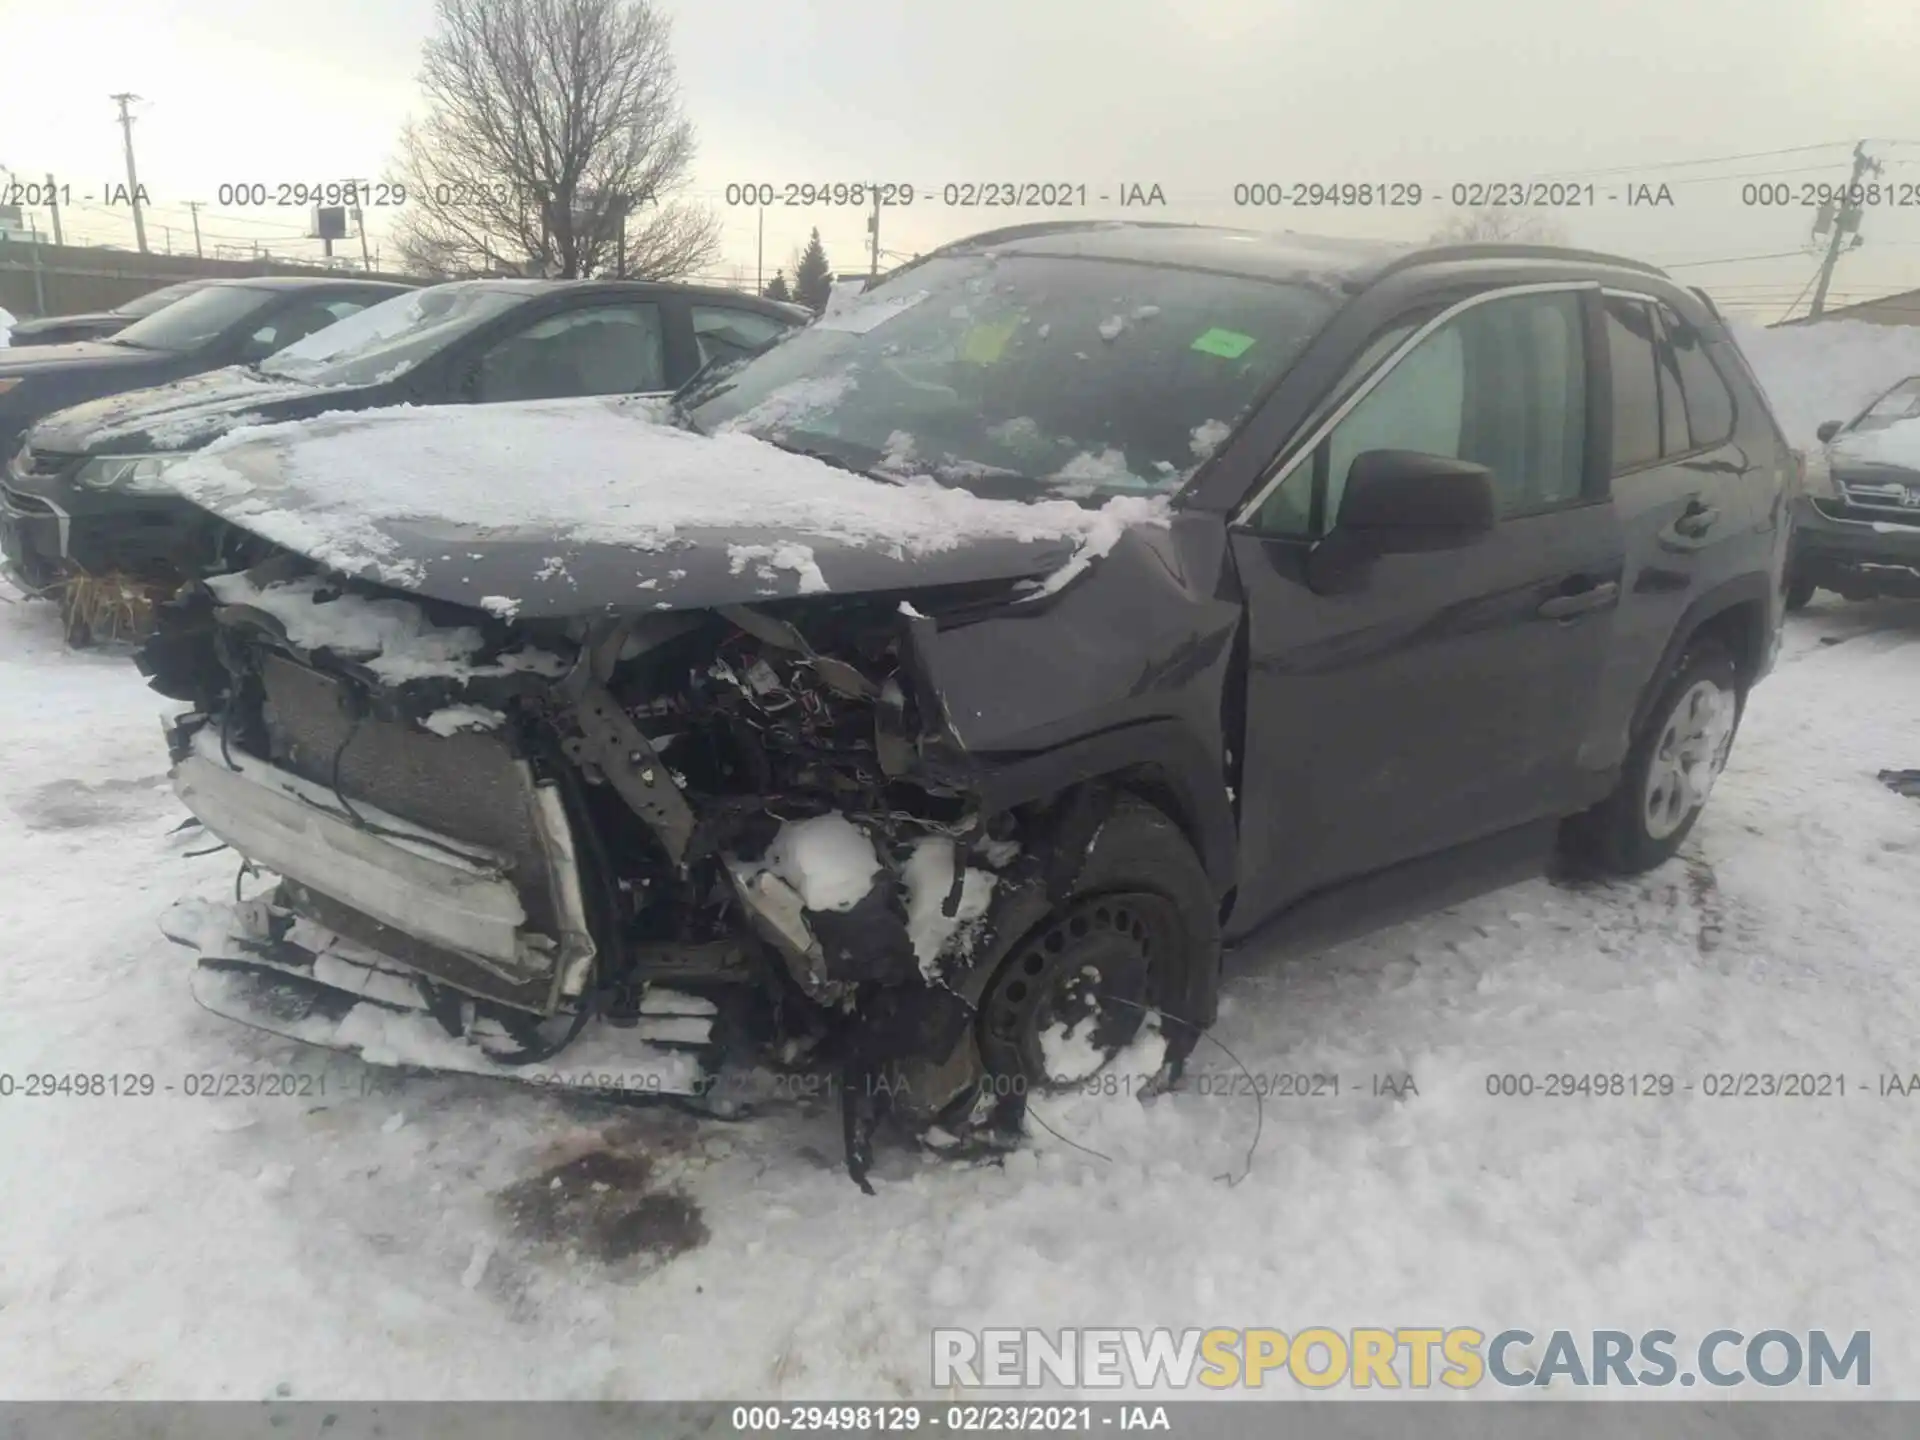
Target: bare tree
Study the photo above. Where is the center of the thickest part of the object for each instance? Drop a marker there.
(553, 130)
(1499, 222)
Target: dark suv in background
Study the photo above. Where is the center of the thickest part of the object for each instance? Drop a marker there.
(226, 322)
(98, 324)
(86, 496)
(1410, 568)
(1856, 529)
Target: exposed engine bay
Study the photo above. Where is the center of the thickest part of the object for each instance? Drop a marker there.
(706, 834)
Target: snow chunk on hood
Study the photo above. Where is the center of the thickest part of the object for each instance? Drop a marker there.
(593, 470)
(392, 638)
(1112, 520)
(828, 860)
(768, 558)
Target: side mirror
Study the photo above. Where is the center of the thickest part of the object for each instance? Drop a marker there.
(1828, 429)
(1403, 501)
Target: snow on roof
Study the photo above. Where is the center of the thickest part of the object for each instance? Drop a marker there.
(594, 470)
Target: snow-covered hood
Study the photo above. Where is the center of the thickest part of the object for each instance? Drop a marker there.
(1894, 447)
(182, 414)
(585, 506)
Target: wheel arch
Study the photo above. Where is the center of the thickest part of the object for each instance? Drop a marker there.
(1158, 761)
(1737, 616)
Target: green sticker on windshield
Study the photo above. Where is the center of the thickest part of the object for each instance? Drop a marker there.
(1227, 344)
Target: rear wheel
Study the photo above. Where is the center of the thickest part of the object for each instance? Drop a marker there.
(1139, 935)
(1670, 770)
(1799, 592)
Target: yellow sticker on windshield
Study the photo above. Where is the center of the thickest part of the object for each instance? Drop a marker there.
(985, 344)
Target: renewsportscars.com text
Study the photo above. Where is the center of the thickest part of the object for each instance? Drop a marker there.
(1416, 1358)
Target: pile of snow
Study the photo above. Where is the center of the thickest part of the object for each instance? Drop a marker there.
(6, 328)
(588, 470)
(1828, 371)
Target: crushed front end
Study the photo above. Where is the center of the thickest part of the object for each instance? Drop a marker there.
(679, 846)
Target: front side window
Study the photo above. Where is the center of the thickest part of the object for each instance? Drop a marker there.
(1708, 400)
(1026, 375)
(194, 320)
(1502, 384)
(601, 350)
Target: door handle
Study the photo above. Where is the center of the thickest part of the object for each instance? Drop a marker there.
(1564, 607)
(1696, 519)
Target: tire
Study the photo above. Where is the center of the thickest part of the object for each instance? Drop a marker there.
(1140, 914)
(1799, 592)
(1656, 802)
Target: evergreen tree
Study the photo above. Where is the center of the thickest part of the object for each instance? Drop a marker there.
(777, 287)
(812, 278)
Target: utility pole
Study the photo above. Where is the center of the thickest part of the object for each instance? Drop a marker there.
(360, 223)
(53, 204)
(133, 179)
(760, 255)
(39, 284)
(873, 238)
(194, 206)
(1846, 221)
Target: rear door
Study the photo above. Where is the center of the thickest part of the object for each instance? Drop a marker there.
(1443, 697)
(1687, 506)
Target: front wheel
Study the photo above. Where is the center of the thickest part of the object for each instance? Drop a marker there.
(1670, 770)
(1138, 936)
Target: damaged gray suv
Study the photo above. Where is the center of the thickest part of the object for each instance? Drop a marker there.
(933, 698)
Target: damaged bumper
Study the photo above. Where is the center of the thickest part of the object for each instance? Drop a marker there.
(453, 899)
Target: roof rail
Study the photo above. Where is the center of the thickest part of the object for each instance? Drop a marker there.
(1506, 250)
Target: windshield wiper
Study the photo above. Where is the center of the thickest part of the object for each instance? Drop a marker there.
(838, 462)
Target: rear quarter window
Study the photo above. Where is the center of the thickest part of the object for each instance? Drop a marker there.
(1709, 400)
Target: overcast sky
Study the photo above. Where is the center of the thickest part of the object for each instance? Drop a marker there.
(1192, 95)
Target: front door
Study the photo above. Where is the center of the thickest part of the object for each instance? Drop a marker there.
(1438, 697)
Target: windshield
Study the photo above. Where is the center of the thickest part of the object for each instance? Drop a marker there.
(1900, 403)
(144, 305)
(1016, 374)
(392, 337)
(193, 320)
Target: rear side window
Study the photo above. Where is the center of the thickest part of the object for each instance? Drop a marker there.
(1674, 439)
(1708, 400)
(1636, 394)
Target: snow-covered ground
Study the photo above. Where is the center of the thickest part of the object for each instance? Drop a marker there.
(407, 1239)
